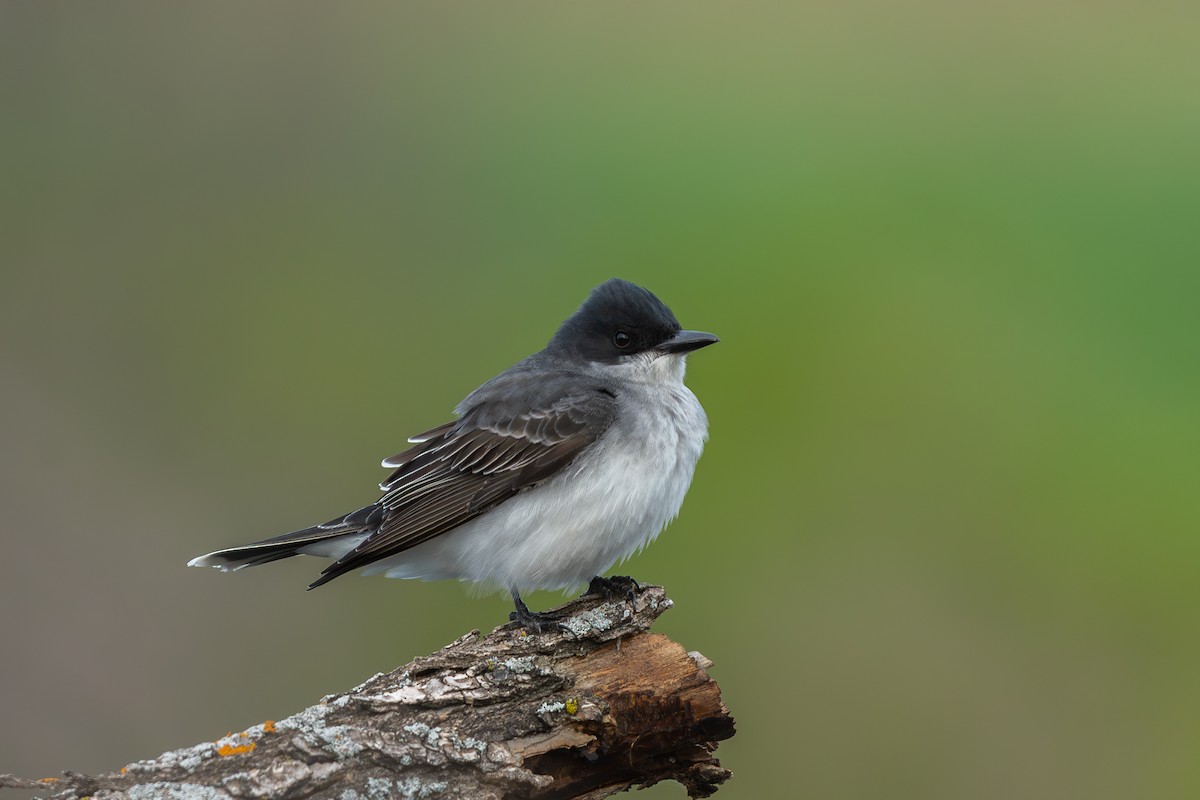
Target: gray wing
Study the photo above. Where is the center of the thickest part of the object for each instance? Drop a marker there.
(459, 470)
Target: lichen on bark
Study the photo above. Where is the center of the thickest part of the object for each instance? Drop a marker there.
(594, 707)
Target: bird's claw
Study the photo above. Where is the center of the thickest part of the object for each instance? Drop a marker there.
(536, 621)
(618, 587)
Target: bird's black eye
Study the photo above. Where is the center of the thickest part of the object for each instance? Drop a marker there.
(622, 339)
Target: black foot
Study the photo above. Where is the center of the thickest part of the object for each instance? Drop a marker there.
(536, 621)
(618, 587)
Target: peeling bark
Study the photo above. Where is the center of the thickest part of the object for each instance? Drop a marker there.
(584, 712)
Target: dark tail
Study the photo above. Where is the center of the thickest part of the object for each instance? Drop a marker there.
(250, 555)
(331, 540)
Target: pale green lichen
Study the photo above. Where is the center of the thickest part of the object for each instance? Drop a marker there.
(602, 618)
(337, 739)
(469, 743)
(379, 788)
(311, 717)
(520, 664)
(463, 750)
(550, 708)
(407, 788)
(508, 667)
(420, 729)
(174, 791)
(412, 788)
(186, 759)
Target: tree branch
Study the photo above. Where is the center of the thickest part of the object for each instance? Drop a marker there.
(584, 712)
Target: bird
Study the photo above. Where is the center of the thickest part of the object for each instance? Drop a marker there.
(553, 471)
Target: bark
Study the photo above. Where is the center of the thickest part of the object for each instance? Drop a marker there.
(585, 712)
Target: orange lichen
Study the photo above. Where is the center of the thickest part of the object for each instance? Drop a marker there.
(233, 750)
(124, 770)
(269, 726)
(47, 780)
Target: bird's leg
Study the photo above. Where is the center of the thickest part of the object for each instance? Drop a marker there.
(532, 620)
(618, 587)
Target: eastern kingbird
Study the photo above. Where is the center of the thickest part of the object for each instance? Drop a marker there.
(555, 470)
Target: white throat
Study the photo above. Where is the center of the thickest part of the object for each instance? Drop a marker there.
(666, 371)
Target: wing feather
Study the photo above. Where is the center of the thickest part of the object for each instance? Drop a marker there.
(459, 470)
(400, 459)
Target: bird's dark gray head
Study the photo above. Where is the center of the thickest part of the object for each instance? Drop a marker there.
(620, 319)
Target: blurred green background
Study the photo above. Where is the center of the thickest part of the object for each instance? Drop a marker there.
(944, 540)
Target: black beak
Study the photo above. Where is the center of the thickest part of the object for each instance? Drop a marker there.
(687, 341)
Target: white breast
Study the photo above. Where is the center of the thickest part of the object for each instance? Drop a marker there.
(616, 497)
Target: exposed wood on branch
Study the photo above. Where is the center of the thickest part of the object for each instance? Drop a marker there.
(584, 712)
